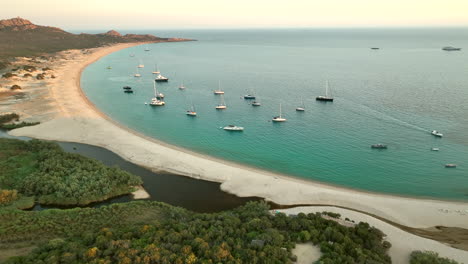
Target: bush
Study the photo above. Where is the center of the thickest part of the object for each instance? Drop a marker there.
(8, 196)
(9, 75)
(429, 257)
(29, 68)
(15, 87)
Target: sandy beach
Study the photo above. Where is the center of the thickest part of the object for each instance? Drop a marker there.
(67, 115)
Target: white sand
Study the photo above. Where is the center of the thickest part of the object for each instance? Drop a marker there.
(306, 253)
(403, 243)
(140, 193)
(77, 120)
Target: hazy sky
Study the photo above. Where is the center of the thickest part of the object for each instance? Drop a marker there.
(145, 14)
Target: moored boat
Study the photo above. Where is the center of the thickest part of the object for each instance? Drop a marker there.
(161, 78)
(326, 97)
(222, 104)
(379, 146)
(450, 48)
(279, 118)
(450, 165)
(233, 128)
(255, 103)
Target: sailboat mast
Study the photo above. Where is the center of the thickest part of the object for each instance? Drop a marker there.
(280, 111)
(155, 90)
(326, 89)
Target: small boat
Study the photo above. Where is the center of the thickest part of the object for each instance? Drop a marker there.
(437, 133)
(192, 111)
(161, 78)
(450, 165)
(219, 91)
(279, 118)
(141, 65)
(182, 87)
(249, 97)
(137, 74)
(326, 97)
(156, 100)
(109, 67)
(255, 103)
(435, 149)
(222, 104)
(132, 55)
(146, 48)
(450, 48)
(156, 70)
(375, 48)
(379, 146)
(302, 107)
(127, 88)
(233, 128)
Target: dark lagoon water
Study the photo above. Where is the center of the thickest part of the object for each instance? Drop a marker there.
(395, 95)
(177, 190)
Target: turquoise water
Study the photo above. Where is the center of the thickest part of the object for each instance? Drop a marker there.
(395, 95)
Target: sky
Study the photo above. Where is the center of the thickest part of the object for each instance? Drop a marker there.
(157, 14)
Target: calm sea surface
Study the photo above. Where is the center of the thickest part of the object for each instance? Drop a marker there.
(395, 95)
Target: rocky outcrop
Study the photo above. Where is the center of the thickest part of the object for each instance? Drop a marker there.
(113, 33)
(17, 24)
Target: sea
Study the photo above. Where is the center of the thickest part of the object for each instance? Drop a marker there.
(395, 95)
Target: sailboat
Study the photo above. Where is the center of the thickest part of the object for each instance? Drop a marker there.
(326, 98)
(219, 91)
(302, 107)
(279, 118)
(222, 104)
(146, 48)
(191, 111)
(137, 74)
(157, 100)
(156, 69)
(182, 87)
(141, 65)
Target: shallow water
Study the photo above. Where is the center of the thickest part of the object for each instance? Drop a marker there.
(395, 95)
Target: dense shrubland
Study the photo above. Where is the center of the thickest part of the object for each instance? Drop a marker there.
(43, 170)
(151, 232)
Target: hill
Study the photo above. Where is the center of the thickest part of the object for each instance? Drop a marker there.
(20, 37)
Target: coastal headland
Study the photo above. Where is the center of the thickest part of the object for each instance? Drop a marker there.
(67, 115)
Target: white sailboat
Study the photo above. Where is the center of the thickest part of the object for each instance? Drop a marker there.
(146, 48)
(219, 91)
(181, 86)
(157, 100)
(279, 118)
(222, 104)
(141, 65)
(302, 107)
(137, 74)
(191, 111)
(156, 69)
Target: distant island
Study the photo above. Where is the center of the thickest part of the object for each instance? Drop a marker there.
(21, 38)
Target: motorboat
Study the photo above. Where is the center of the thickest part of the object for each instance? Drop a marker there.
(379, 146)
(450, 48)
(437, 133)
(255, 103)
(450, 165)
(161, 78)
(233, 128)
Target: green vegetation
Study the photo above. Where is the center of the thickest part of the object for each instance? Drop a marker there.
(7, 118)
(429, 257)
(9, 75)
(152, 232)
(19, 37)
(43, 170)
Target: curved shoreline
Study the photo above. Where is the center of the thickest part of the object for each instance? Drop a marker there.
(78, 120)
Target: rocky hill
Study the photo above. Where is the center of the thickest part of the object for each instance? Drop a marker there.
(20, 37)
